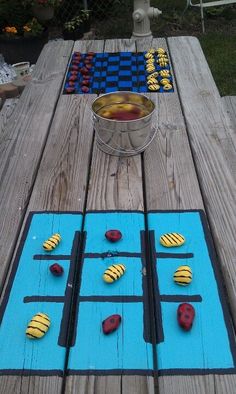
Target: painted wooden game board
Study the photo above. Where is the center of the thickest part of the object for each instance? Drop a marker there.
(123, 71)
(209, 347)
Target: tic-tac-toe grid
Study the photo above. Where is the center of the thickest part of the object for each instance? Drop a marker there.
(117, 71)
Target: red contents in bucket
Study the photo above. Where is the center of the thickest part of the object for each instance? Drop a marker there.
(124, 111)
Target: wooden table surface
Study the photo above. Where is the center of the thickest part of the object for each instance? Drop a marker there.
(49, 161)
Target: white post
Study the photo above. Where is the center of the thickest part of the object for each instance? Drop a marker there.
(85, 4)
(141, 17)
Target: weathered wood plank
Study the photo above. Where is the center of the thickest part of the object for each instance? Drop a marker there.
(6, 112)
(59, 186)
(207, 134)
(115, 183)
(229, 103)
(171, 183)
(23, 141)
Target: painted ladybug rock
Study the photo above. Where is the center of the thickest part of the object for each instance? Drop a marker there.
(113, 235)
(56, 269)
(185, 316)
(111, 324)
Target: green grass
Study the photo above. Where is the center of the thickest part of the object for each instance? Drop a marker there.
(220, 52)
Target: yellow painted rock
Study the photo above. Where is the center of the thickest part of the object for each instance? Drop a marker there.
(52, 242)
(164, 73)
(150, 69)
(113, 273)
(38, 326)
(153, 75)
(154, 87)
(151, 81)
(165, 81)
(163, 63)
(167, 87)
(172, 239)
(160, 50)
(183, 275)
(148, 55)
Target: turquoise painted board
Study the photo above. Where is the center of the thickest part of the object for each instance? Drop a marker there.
(207, 348)
(125, 349)
(30, 287)
(210, 344)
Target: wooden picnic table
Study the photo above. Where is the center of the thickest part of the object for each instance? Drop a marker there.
(49, 161)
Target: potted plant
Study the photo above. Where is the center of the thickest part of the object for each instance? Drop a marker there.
(73, 29)
(23, 42)
(43, 10)
(85, 16)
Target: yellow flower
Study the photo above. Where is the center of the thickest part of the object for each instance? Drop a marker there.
(10, 29)
(26, 28)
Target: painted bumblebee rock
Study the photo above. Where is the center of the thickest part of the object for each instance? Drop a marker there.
(185, 316)
(162, 56)
(113, 235)
(113, 273)
(52, 242)
(38, 326)
(151, 81)
(148, 55)
(160, 50)
(56, 269)
(151, 50)
(163, 63)
(167, 87)
(183, 275)
(150, 69)
(153, 75)
(111, 324)
(164, 73)
(155, 87)
(170, 240)
(165, 81)
(150, 61)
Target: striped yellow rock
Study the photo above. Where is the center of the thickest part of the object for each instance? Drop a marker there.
(164, 73)
(152, 50)
(160, 51)
(154, 87)
(163, 60)
(38, 326)
(163, 56)
(151, 81)
(150, 69)
(150, 61)
(183, 275)
(52, 242)
(162, 63)
(170, 240)
(113, 273)
(153, 75)
(164, 81)
(167, 87)
(148, 55)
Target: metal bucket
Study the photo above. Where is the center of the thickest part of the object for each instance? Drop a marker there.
(123, 137)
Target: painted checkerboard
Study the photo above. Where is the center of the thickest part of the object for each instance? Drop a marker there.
(117, 71)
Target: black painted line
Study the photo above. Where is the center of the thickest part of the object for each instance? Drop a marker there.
(158, 315)
(147, 331)
(15, 266)
(165, 255)
(180, 298)
(57, 212)
(107, 372)
(110, 299)
(62, 339)
(196, 371)
(114, 211)
(219, 281)
(31, 372)
(51, 257)
(28, 299)
(110, 253)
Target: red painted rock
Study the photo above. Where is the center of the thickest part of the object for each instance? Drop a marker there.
(73, 78)
(90, 53)
(113, 235)
(74, 67)
(71, 83)
(70, 90)
(185, 316)
(111, 324)
(77, 53)
(85, 82)
(85, 89)
(90, 58)
(56, 269)
(84, 70)
(86, 77)
(74, 73)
